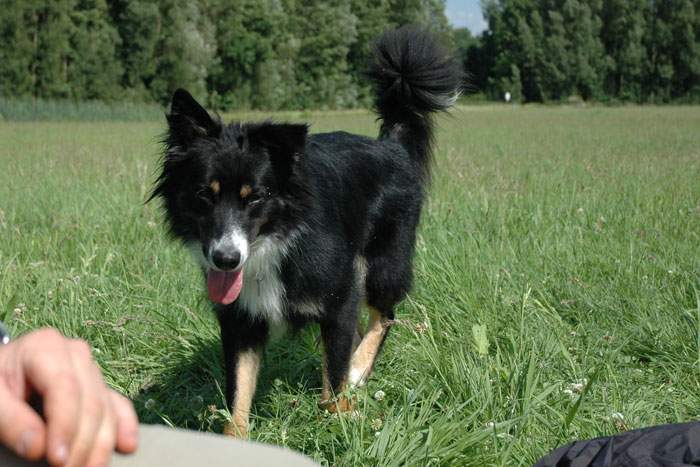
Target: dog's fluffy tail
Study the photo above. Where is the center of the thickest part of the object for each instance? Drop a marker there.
(414, 77)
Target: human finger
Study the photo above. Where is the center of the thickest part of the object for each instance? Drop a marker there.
(127, 424)
(105, 440)
(21, 428)
(95, 405)
(48, 367)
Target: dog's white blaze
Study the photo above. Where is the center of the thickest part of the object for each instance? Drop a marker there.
(233, 239)
(263, 295)
(241, 243)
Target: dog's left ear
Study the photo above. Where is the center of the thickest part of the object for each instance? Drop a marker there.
(285, 142)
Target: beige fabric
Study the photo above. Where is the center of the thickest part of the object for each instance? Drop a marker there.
(164, 447)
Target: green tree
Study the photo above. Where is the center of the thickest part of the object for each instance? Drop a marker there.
(531, 36)
(466, 46)
(17, 53)
(246, 34)
(50, 28)
(328, 31)
(185, 51)
(139, 25)
(685, 54)
(622, 35)
(371, 21)
(463, 40)
(429, 13)
(557, 67)
(515, 40)
(587, 59)
(94, 70)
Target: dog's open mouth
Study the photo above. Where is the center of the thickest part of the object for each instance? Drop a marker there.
(224, 287)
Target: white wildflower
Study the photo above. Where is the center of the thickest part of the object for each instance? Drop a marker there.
(579, 385)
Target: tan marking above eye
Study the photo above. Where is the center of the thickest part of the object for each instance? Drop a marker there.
(215, 187)
(246, 190)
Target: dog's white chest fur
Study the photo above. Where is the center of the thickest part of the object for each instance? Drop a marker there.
(263, 295)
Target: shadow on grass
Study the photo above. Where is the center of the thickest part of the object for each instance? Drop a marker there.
(189, 392)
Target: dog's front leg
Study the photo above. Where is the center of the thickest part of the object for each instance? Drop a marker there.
(247, 364)
(338, 330)
(243, 344)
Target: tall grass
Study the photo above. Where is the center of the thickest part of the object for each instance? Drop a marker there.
(26, 110)
(557, 286)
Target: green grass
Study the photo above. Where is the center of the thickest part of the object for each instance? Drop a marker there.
(557, 286)
(31, 110)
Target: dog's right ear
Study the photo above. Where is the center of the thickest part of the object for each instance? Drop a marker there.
(188, 120)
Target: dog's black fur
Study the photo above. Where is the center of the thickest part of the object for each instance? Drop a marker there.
(330, 202)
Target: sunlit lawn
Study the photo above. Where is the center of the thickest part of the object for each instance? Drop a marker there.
(557, 286)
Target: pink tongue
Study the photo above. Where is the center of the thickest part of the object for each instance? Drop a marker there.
(224, 287)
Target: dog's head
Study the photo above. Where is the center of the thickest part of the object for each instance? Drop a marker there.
(224, 186)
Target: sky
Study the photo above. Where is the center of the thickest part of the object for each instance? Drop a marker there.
(467, 13)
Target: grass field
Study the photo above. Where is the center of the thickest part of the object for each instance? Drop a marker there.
(557, 286)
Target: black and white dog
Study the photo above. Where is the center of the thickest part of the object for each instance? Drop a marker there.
(292, 228)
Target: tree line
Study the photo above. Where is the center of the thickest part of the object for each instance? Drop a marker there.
(605, 50)
(268, 54)
(296, 54)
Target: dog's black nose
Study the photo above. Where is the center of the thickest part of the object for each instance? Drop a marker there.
(226, 260)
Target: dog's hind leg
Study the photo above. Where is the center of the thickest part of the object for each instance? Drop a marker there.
(357, 337)
(338, 331)
(387, 282)
(366, 353)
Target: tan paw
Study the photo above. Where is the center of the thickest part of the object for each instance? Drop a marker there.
(236, 430)
(341, 404)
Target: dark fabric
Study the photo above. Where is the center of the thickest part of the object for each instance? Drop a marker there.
(657, 446)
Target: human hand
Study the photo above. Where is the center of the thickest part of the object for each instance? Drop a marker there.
(83, 420)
